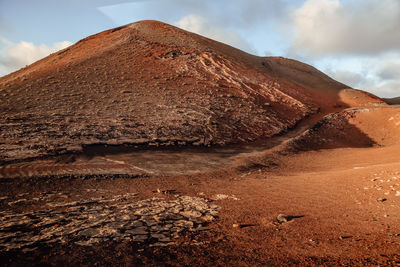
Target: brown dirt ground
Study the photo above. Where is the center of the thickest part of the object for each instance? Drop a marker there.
(333, 192)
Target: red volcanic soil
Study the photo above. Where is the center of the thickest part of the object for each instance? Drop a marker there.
(151, 84)
(150, 145)
(343, 204)
(356, 127)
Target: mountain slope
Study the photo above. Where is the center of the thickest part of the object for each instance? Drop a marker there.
(151, 84)
(353, 127)
(393, 101)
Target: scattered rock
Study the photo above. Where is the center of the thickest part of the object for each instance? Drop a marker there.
(191, 214)
(17, 201)
(281, 218)
(165, 192)
(223, 197)
(381, 199)
(207, 218)
(236, 225)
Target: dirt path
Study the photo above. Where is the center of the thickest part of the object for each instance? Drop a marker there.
(117, 160)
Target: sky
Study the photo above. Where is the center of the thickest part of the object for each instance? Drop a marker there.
(356, 42)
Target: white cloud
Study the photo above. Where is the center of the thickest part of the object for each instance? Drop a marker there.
(356, 42)
(16, 55)
(387, 89)
(199, 25)
(379, 75)
(339, 27)
(369, 83)
(390, 70)
(246, 14)
(351, 78)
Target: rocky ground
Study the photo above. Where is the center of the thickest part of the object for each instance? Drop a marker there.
(331, 207)
(154, 221)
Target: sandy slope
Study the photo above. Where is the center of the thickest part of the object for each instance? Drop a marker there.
(356, 127)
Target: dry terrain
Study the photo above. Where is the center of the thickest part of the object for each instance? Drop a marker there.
(150, 145)
(151, 84)
(393, 101)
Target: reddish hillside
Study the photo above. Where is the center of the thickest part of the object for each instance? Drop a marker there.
(149, 83)
(356, 127)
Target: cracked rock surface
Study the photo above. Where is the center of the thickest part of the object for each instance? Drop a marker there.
(155, 221)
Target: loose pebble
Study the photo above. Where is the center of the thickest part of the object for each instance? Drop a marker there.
(281, 218)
